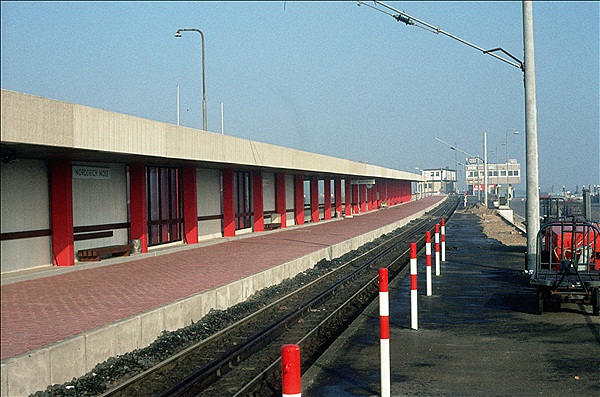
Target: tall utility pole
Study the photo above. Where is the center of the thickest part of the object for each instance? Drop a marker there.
(531, 161)
(528, 68)
(485, 171)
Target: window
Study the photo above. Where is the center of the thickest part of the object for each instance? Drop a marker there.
(243, 199)
(163, 192)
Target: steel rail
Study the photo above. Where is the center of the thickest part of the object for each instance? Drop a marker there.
(216, 368)
(275, 366)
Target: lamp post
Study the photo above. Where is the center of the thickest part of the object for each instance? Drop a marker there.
(515, 132)
(178, 34)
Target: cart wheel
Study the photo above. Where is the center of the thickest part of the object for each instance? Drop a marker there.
(541, 297)
(596, 301)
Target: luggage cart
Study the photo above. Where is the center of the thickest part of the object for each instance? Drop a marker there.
(568, 264)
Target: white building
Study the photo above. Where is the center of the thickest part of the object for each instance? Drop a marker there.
(498, 175)
(437, 181)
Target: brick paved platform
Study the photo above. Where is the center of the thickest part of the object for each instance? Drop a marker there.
(59, 304)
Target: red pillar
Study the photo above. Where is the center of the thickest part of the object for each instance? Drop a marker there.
(379, 192)
(299, 199)
(337, 193)
(386, 195)
(348, 198)
(190, 205)
(363, 198)
(314, 199)
(327, 197)
(402, 191)
(257, 195)
(374, 197)
(370, 194)
(61, 213)
(400, 194)
(280, 197)
(138, 210)
(355, 199)
(228, 204)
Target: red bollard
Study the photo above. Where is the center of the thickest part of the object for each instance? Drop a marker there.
(437, 249)
(384, 332)
(443, 240)
(428, 261)
(290, 371)
(414, 314)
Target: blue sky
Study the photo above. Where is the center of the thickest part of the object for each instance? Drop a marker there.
(327, 77)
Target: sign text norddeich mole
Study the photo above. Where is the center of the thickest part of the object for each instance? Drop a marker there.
(85, 172)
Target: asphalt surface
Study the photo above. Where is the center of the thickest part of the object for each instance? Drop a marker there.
(478, 334)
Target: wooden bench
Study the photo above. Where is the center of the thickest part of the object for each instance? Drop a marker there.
(272, 226)
(95, 254)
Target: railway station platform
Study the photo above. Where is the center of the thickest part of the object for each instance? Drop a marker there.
(58, 323)
(478, 334)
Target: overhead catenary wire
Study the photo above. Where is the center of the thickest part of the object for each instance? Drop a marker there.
(453, 147)
(401, 16)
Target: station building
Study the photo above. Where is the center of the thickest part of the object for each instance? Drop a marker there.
(507, 174)
(437, 181)
(75, 177)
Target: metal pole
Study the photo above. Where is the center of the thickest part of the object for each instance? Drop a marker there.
(532, 184)
(178, 34)
(485, 170)
(478, 181)
(222, 118)
(203, 85)
(506, 158)
(497, 170)
(178, 105)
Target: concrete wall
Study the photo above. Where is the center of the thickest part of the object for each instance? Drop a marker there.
(99, 202)
(25, 207)
(268, 191)
(208, 183)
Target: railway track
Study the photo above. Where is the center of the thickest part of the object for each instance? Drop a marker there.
(243, 359)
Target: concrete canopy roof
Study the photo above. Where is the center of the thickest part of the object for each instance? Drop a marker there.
(41, 128)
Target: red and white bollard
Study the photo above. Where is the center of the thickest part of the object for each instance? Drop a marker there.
(437, 249)
(428, 261)
(443, 240)
(290, 371)
(384, 331)
(414, 314)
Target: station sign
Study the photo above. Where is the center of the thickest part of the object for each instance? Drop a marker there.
(87, 172)
(362, 182)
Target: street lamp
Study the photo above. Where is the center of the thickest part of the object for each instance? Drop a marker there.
(178, 34)
(515, 132)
